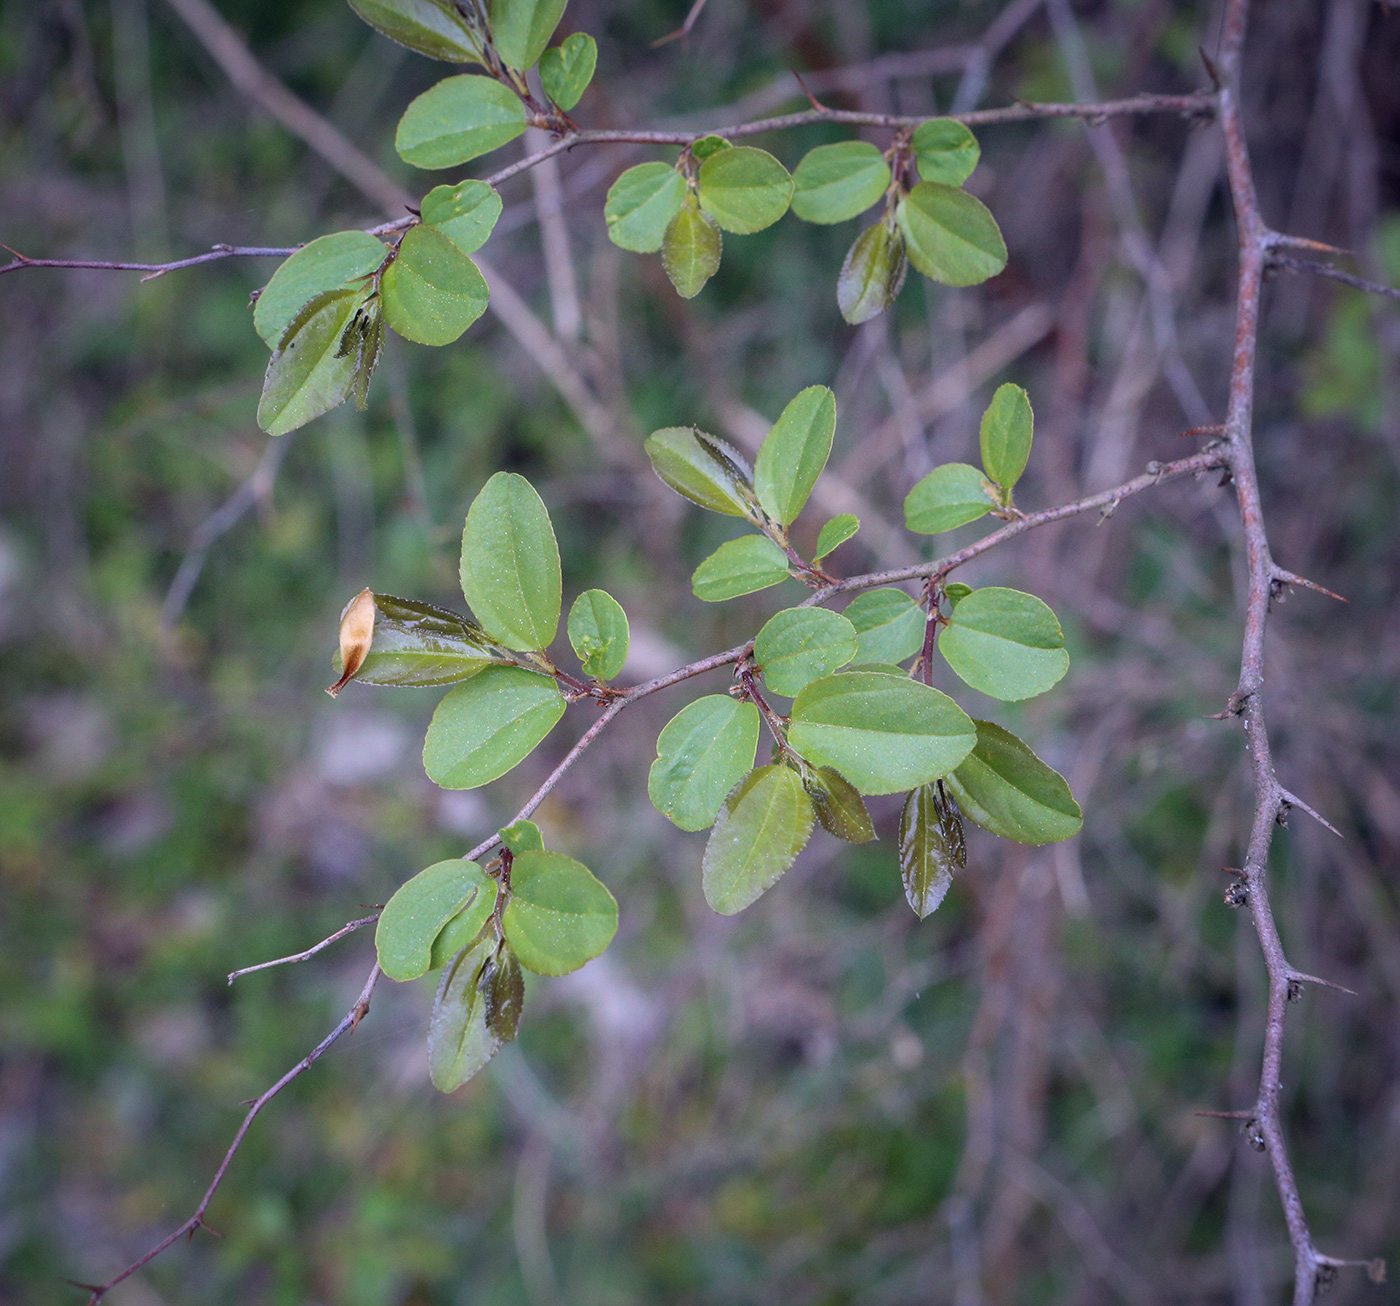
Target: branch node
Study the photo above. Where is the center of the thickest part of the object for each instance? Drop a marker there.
(1254, 1135)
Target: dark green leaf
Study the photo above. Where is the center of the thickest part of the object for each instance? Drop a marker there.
(599, 633)
(873, 273)
(522, 837)
(945, 151)
(951, 495)
(743, 566)
(835, 533)
(704, 470)
(1006, 435)
(834, 183)
(641, 204)
(432, 292)
(744, 189)
(1007, 789)
(460, 1041)
(417, 644)
(704, 751)
(889, 625)
(1005, 643)
(327, 263)
(504, 996)
(417, 912)
(510, 564)
(883, 733)
(485, 727)
(460, 118)
(690, 251)
(465, 213)
(559, 915)
(839, 806)
(800, 645)
(931, 848)
(307, 375)
(431, 27)
(794, 452)
(521, 29)
(764, 823)
(950, 235)
(567, 68)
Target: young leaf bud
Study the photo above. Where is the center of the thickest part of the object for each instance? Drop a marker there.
(356, 635)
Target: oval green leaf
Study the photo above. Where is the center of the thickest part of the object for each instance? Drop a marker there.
(800, 645)
(465, 213)
(520, 29)
(599, 633)
(931, 847)
(835, 533)
(703, 469)
(883, 733)
(432, 292)
(1007, 426)
(307, 374)
(416, 644)
(429, 27)
(794, 452)
(1007, 789)
(764, 823)
(945, 151)
(460, 1040)
(744, 189)
(327, 263)
(743, 566)
(889, 625)
(839, 806)
(834, 183)
(567, 68)
(460, 118)
(510, 564)
(690, 251)
(414, 917)
(522, 837)
(1005, 643)
(487, 726)
(704, 751)
(872, 274)
(951, 237)
(641, 204)
(951, 495)
(559, 915)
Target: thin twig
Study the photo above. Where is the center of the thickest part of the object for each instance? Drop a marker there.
(21, 261)
(1335, 274)
(349, 928)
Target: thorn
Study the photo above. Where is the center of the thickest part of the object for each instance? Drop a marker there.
(1275, 239)
(812, 99)
(1299, 977)
(93, 1288)
(1216, 431)
(1282, 577)
(1292, 800)
(1226, 1115)
(360, 1012)
(1025, 104)
(1211, 70)
(200, 1223)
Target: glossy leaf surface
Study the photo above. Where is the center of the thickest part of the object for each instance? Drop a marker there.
(1005, 788)
(835, 533)
(432, 292)
(945, 151)
(459, 119)
(521, 29)
(839, 806)
(1007, 426)
(599, 633)
(834, 183)
(641, 204)
(764, 823)
(567, 68)
(486, 726)
(930, 849)
(430, 27)
(466, 928)
(691, 250)
(460, 1041)
(307, 375)
(559, 915)
(794, 452)
(418, 644)
(465, 213)
(883, 733)
(743, 566)
(950, 236)
(949, 496)
(744, 189)
(702, 469)
(414, 917)
(889, 625)
(800, 645)
(873, 273)
(1005, 643)
(328, 263)
(704, 751)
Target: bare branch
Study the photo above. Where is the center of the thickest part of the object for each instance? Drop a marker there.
(349, 928)
(1334, 274)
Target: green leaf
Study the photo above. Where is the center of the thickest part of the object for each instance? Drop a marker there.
(704, 751)
(430, 27)
(416, 644)
(567, 68)
(522, 837)
(505, 996)
(307, 374)
(559, 915)
(1005, 643)
(834, 183)
(955, 592)
(690, 251)
(951, 495)
(800, 645)
(1006, 435)
(951, 236)
(465, 213)
(641, 204)
(599, 633)
(487, 726)
(521, 29)
(416, 914)
(432, 292)
(743, 566)
(888, 623)
(873, 273)
(945, 151)
(931, 848)
(839, 807)
(510, 564)
(466, 928)
(764, 823)
(460, 118)
(460, 1039)
(327, 263)
(708, 145)
(835, 533)
(744, 189)
(704, 470)
(1007, 789)
(883, 733)
(794, 452)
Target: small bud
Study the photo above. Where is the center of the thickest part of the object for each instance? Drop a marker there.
(356, 635)
(1237, 894)
(1295, 991)
(1254, 1136)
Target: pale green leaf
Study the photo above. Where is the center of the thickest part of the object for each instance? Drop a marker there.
(708, 145)
(414, 917)
(432, 292)
(430, 27)
(800, 645)
(794, 452)
(764, 823)
(950, 236)
(510, 564)
(1006, 435)
(883, 733)
(488, 725)
(931, 848)
(704, 470)
(889, 625)
(460, 1040)
(466, 928)
(835, 533)
(340, 261)
(743, 566)
(744, 189)
(704, 751)
(641, 204)
(1007, 789)
(521, 29)
(834, 183)
(460, 118)
(690, 251)
(951, 495)
(307, 375)
(522, 837)
(567, 68)
(873, 273)
(945, 151)
(559, 915)
(599, 633)
(465, 213)
(1005, 643)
